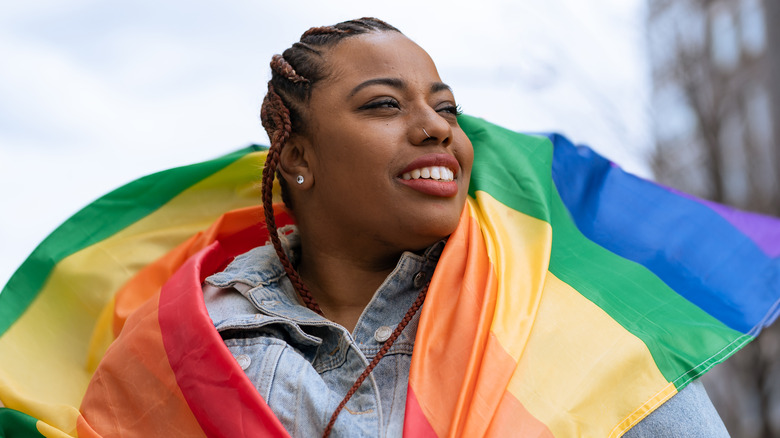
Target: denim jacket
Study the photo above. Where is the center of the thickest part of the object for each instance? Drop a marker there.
(303, 364)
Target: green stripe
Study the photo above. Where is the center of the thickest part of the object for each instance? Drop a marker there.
(99, 220)
(516, 170)
(14, 424)
(641, 303)
(523, 185)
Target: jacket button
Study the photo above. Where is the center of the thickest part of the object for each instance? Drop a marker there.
(419, 279)
(243, 361)
(382, 334)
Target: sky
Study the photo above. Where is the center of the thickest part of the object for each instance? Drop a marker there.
(95, 94)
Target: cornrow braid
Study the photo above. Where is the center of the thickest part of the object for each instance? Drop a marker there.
(293, 74)
(321, 30)
(281, 66)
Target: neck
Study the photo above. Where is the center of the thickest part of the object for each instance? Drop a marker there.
(342, 282)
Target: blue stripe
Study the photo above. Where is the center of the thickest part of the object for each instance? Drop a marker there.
(689, 246)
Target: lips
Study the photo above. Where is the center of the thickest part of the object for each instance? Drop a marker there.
(432, 174)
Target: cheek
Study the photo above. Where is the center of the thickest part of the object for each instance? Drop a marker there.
(334, 157)
(343, 143)
(349, 172)
(465, 155)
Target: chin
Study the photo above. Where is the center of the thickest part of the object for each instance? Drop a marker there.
(432, 229)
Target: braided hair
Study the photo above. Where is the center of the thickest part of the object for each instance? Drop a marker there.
(294, 73)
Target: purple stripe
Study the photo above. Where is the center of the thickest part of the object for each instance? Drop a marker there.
(764, 231)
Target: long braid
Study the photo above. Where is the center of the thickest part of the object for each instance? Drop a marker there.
(379, 355)
(293, 75)
(276, 121)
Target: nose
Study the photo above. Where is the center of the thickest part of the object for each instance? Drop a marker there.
(430, 128)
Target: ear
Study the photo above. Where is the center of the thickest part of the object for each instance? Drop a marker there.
(294, 162)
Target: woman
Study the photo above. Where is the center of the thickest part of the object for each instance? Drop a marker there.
(550, 301)
(363, 112)
(358, 116)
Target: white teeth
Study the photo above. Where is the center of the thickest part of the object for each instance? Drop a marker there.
(439, 173)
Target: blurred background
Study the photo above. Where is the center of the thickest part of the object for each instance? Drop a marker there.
(716, 124)
(94, 94)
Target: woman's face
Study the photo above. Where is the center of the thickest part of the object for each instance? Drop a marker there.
(368, 152)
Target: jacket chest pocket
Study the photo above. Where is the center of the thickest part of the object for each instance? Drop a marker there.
(292, 388)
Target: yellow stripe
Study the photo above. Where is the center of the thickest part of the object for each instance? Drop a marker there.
(51, 432)
(102, 336)
(642, 411)
(45, 356)
(518, 246)
(576, 354)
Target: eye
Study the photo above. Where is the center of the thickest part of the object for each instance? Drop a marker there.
(382, 103)
(450, 109)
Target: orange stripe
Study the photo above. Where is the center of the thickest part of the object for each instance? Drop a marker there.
(513, 419)
(150, 279)
(134, 381)
(456, 318)
(459, 302)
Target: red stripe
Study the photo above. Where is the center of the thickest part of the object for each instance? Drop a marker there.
(415, 423)
(220, 395)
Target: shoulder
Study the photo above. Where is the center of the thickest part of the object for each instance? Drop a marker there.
(228, 295)
(689, 414)
(254, 268)
(259, 266)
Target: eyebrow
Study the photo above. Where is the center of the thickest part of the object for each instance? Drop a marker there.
(396, 83)
(440, 86)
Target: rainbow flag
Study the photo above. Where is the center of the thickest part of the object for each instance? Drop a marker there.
(572, 300)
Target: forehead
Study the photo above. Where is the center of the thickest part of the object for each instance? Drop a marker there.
(379, 54)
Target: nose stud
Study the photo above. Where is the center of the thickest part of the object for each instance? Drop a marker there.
(427, 136)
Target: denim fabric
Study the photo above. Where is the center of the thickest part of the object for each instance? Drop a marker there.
(689, 414)
(303, 365)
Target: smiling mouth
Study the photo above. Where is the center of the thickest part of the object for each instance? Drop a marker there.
(433, 175)
(436, 173)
